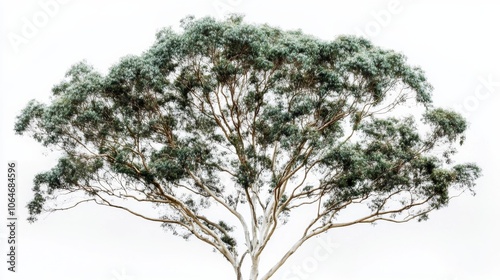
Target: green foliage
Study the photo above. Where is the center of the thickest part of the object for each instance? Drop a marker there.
(446, 124)
(231, 243)
(69, 173)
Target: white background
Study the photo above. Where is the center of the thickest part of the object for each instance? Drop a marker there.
(455, 42)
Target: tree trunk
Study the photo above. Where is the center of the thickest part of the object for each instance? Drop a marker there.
(238, 274)
(254, 271)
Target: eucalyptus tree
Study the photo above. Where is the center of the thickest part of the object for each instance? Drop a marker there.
(231, 129)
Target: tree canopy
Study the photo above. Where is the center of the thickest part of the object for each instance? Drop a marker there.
(256, 122)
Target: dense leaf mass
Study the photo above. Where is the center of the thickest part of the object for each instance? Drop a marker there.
(251, 116)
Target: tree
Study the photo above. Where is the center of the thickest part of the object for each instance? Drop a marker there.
(254, 122)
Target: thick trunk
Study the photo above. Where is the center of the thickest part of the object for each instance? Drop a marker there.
(238, 274)
(254, 270)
